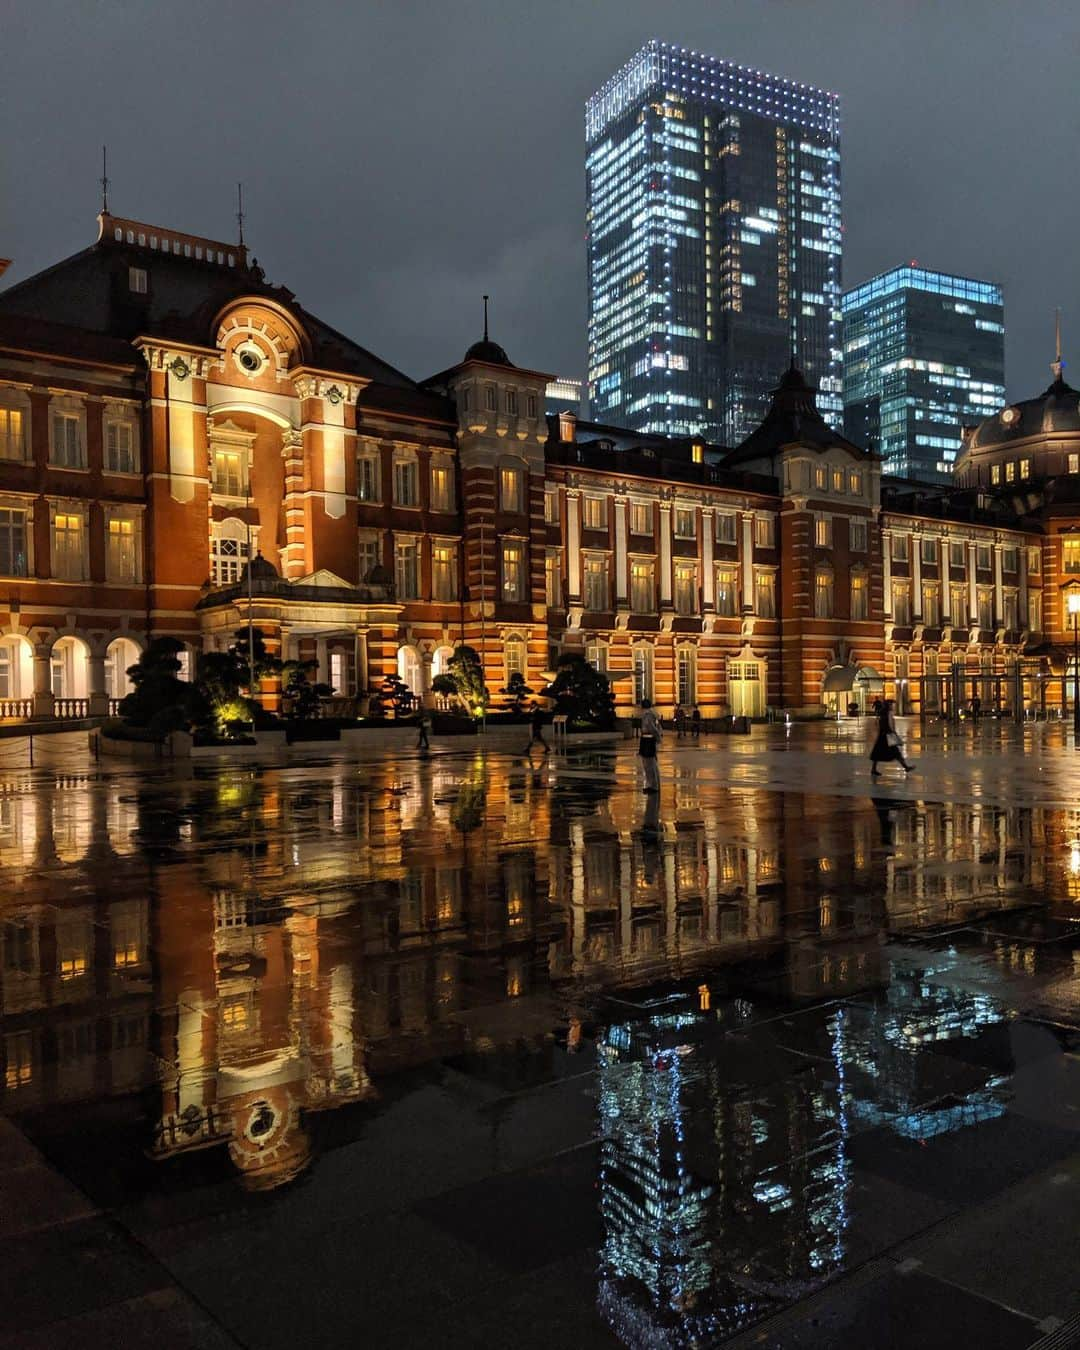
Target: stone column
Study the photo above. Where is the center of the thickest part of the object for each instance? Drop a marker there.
(573, 547)
(43, 697)
(620, 553)
(665, 555)
(916, 578)
(973, 595)
(746, 561)
(99, 698)
(945, 568)
(886, 572)
(999, 596)
(708, 571)
(1022, 589)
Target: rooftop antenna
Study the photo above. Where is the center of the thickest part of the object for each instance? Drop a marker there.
(1058, 366)
(486, 298)
(240, 213)
(104, 181)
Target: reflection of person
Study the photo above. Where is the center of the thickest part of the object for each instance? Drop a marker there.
(888, 746)
(537, 724)
(695, 722)
(648, 743)
(976, 708)
(680, 721)
(425, 723)
(884, 808)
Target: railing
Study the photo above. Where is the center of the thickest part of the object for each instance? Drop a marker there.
(71, 709)
(114, 707)
(16, 708)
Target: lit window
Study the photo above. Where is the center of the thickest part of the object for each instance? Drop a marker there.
(596, 654)
(552, 579)
(407, 569)
(838, 480)
(958, 604)
(1010, 472)
(685, 523)
(406, 482)
(442, 488)
(641, 518)
(514, 655)
(595, 594)
(931, 606)
(900, 548)
(120, 456)
(510, 492)
(765, 594)
(726, 526)
(551, 506)
(929, 550)
(1025, 468)
(726, 592)
(338, 675)
(137, 280)
(686, 676)
(68, 546)
(823, 594)
(513, 571)
(983, 557)
(764, 532)
(1034, 615)
(367, 477)
(12, 434)
(1070, 554)
(901, 603)
(821, 478)
(444, 572)
(823, 532)
(986, 610)
(956, 554)
(67, 445)
(642, 588)
(121, 554)
(643, 674)
(1034, 561)
(228, 552)
(860, 595)
(1074, 463)
(594, 513)
(230, 473)
(995, 473)
(855, 482)
(685, 589)
(13, 558)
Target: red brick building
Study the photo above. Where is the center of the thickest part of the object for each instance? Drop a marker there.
(166, 413)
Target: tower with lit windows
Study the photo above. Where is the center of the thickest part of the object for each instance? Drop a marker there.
(714, 246)
(924, 356)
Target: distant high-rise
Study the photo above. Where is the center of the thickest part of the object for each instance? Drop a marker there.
(563, 394)
(713, 211)
(924, 354)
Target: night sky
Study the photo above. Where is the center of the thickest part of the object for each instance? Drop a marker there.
(401, 158)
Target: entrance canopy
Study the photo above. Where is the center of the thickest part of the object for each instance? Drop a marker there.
(839, 679)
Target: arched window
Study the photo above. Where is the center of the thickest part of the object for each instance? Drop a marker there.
(409, 669)
(121, 654)
(515, 656)
(16, 667)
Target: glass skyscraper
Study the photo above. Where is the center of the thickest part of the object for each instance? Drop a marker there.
(713, 215)
(924, 355)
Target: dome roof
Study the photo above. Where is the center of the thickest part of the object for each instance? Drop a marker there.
(262, 569)
(1055, 410)
(486, 350)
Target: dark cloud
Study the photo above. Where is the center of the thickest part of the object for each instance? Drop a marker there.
(401, 158)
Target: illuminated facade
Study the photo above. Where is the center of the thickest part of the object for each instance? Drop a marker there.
(714, 244)
(924, 356)
(165, 413)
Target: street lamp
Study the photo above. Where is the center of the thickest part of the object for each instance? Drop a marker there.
(1073, 602)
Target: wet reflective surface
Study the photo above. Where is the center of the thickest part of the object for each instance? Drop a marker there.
(459, 1051)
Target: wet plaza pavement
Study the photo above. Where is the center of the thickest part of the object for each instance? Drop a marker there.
(456, 1052)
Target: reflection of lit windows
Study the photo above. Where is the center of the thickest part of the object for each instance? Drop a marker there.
(515, 977)
(19, 948)
(515, 911)
(235, 1013)
(18, 1059)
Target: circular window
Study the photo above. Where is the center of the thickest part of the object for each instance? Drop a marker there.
(1010, 416)
(250, 359)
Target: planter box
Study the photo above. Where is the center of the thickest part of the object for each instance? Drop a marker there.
(177, 745)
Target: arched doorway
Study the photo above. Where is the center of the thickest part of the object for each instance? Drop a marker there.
(16, 675)
(746, 685)
(119, 655)
(850, 689)
(68, 676)
(410, 670)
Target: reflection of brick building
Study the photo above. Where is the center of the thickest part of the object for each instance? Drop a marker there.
(164, 412)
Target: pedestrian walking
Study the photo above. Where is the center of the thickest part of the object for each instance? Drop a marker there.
(695, 722)
(888, 746)
(536, 722)
(422, 742)
(648, 743)
(680, 721)
(976, 708)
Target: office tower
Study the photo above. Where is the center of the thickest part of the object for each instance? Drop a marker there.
(563, 395)
(713, 222)
(924, 355)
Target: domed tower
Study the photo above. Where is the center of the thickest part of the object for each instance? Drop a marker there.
(502, 431)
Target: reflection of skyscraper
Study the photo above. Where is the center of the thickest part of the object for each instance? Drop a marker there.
(713, 195)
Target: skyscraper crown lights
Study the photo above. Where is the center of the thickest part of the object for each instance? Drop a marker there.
(660, 66)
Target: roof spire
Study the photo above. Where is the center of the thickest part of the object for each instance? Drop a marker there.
(486, 298)
(240, 213)
(104, 181)
(1057, 365)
